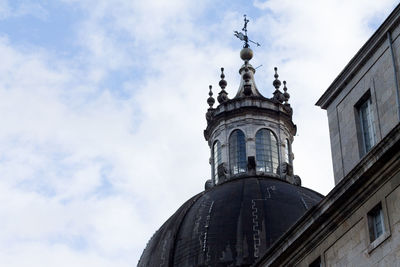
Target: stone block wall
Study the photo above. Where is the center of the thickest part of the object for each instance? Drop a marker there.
(375, 77)
(350, 245)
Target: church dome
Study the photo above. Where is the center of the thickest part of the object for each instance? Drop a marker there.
(253, 196)
(230, 224)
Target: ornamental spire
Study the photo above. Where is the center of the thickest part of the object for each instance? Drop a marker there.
(210, 100)
(247, 85)
(285, 94)
(223, 95)
(286, 97)
(278, 96)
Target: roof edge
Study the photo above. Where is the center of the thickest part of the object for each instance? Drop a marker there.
(307, 226)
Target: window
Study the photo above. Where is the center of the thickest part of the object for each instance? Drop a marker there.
(375, 222)
(237, 152)
(366, 124)
(287, 151)
(316, 263)
(266, 151)
(216, 159)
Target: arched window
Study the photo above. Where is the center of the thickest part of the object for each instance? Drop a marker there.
(217, 159)
(266, 151)
(287, 151)
(237, 152)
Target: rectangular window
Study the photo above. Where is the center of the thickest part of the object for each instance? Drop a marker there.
(316, 263)
(217, 158)
(375, 222)
(366, 123)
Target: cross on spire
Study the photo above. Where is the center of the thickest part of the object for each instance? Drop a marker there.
(244, 36)
(245, 24)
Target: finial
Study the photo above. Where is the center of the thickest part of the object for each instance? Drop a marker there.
(285, 94)
(285, 97)
(277, 82)
(211, 99)
(278, 96)
(223, 95)
(246, 54)
(222, 82)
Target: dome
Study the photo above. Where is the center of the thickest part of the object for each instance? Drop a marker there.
(231, 224)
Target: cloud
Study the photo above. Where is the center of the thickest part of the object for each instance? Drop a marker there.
(311, 42)
(99, 148)
(21, 8)
(57, 153)
(75, 165)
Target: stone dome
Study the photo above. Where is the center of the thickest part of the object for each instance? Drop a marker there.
(231, 224)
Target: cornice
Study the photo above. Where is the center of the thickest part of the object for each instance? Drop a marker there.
(250, 110)
(372, 171)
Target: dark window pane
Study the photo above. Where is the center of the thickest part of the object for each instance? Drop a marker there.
(287, 151)
(366, 125)
(316, 263)
(217, 159)
(375, 222)
(266, 151)
(237, 152)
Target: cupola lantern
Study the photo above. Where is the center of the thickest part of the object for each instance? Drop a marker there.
(250, 134)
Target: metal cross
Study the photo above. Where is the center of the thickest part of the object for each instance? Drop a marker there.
(244, 37)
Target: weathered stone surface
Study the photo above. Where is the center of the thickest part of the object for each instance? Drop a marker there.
(231, 224)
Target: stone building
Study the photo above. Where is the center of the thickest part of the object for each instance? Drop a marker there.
(358, 222)
(252, 196)
(254, 211)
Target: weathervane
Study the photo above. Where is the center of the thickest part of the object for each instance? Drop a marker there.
(244, 37)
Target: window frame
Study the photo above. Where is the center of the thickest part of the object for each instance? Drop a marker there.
(365, 125)
(262, 149)
(288, 151)
(372, 241)
(217, 144)
(240, 157)
(375, 217)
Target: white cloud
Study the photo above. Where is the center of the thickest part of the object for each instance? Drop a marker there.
(90, 168)
(20, 9)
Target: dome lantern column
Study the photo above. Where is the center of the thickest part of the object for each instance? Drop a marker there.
(250, 135)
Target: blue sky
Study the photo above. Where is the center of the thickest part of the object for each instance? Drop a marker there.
(102, 109)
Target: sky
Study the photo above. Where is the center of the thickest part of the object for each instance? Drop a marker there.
(102, 110)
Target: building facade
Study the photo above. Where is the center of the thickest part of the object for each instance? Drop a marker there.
(254, 212)
(358, 222)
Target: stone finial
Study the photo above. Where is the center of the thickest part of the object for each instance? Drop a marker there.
(276, 83)
(223, 95)
(210, 102)
(278, 96)
(247, 85)
(285, 93)
(211, 99)
(286, 97)
(222, 82)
